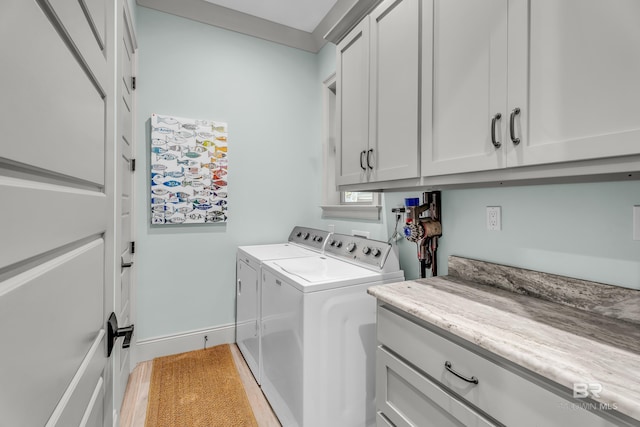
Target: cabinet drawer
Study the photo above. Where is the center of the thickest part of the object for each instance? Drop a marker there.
(407, 398)
(504, 395)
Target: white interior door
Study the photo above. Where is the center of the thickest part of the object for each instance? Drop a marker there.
(126, 45)
(56, 227)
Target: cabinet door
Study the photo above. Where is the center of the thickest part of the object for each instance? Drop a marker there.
(469, 86)
(394, 91)
(578, 87)
(352, 109)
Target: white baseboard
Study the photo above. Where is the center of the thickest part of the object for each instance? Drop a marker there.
(179, 343)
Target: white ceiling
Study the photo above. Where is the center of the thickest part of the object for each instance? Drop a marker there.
(303, 15)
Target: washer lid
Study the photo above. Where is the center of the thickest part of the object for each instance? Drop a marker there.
(316, 273)
(260, 253)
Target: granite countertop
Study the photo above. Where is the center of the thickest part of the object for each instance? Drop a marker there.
(553, 338)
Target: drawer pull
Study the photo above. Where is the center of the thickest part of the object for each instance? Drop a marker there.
(473, 380)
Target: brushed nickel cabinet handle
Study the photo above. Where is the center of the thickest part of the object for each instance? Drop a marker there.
(494, 120)
(512, 126)
(369, 153)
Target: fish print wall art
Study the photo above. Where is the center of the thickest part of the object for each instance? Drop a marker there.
(188, 170)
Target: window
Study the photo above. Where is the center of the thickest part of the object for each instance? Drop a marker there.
(346, 204)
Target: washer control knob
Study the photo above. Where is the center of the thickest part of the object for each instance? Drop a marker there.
(366, 250)
(318, 239)
(332, 242)
(338, 244)
(376, 252)
(351, 247)
(299, 233)
(305, 236)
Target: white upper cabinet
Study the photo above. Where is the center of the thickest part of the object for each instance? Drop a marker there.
(378, 75)
(352, 109)
(574, 72)
(469, 86)
(518, 82)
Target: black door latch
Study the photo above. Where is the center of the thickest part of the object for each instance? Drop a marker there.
(113, 332)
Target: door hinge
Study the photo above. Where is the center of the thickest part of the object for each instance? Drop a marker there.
(133, 82)
(133, 247)
(133, 165)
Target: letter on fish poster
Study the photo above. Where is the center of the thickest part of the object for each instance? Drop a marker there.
(188, 170)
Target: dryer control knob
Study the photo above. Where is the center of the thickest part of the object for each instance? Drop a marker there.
(305, 236)
(351, 247)
(376, 252)
(318, 239)
(366, 250)
(338, 244)
(332, 242)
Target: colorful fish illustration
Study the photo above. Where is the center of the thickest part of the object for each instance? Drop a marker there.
(159, 191)
(174, 174)
(162, 130)
(203, 207)
(172, 183)
(177, 219)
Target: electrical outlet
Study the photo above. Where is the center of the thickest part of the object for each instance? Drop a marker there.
(494, 218)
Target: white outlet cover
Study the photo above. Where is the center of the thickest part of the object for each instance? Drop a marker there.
(636, 223)
(494, 218)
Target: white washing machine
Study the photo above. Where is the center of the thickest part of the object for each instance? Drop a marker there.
(302, 242)
(318, 332)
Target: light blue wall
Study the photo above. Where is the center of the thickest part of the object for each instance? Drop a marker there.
(269, 96)
(576, 230)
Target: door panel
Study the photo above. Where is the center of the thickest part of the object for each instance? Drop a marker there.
(352, 79)
(33, 207)
(56, 111)
(96, 15)
(393, 123)
(50, 317)
(578, 89)
(469, 86)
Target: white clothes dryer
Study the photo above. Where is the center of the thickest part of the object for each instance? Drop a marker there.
(302, 242)
(318, 332)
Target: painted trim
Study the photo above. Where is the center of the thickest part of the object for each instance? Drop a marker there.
(350, 19)
(212, 14)
(364, 212)
(180, 343)
(219, 16)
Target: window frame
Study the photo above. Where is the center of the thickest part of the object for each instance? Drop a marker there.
(334, 204)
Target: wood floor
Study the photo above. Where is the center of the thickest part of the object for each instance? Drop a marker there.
(134, 407)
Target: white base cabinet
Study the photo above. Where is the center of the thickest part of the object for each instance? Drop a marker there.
(416, 384)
